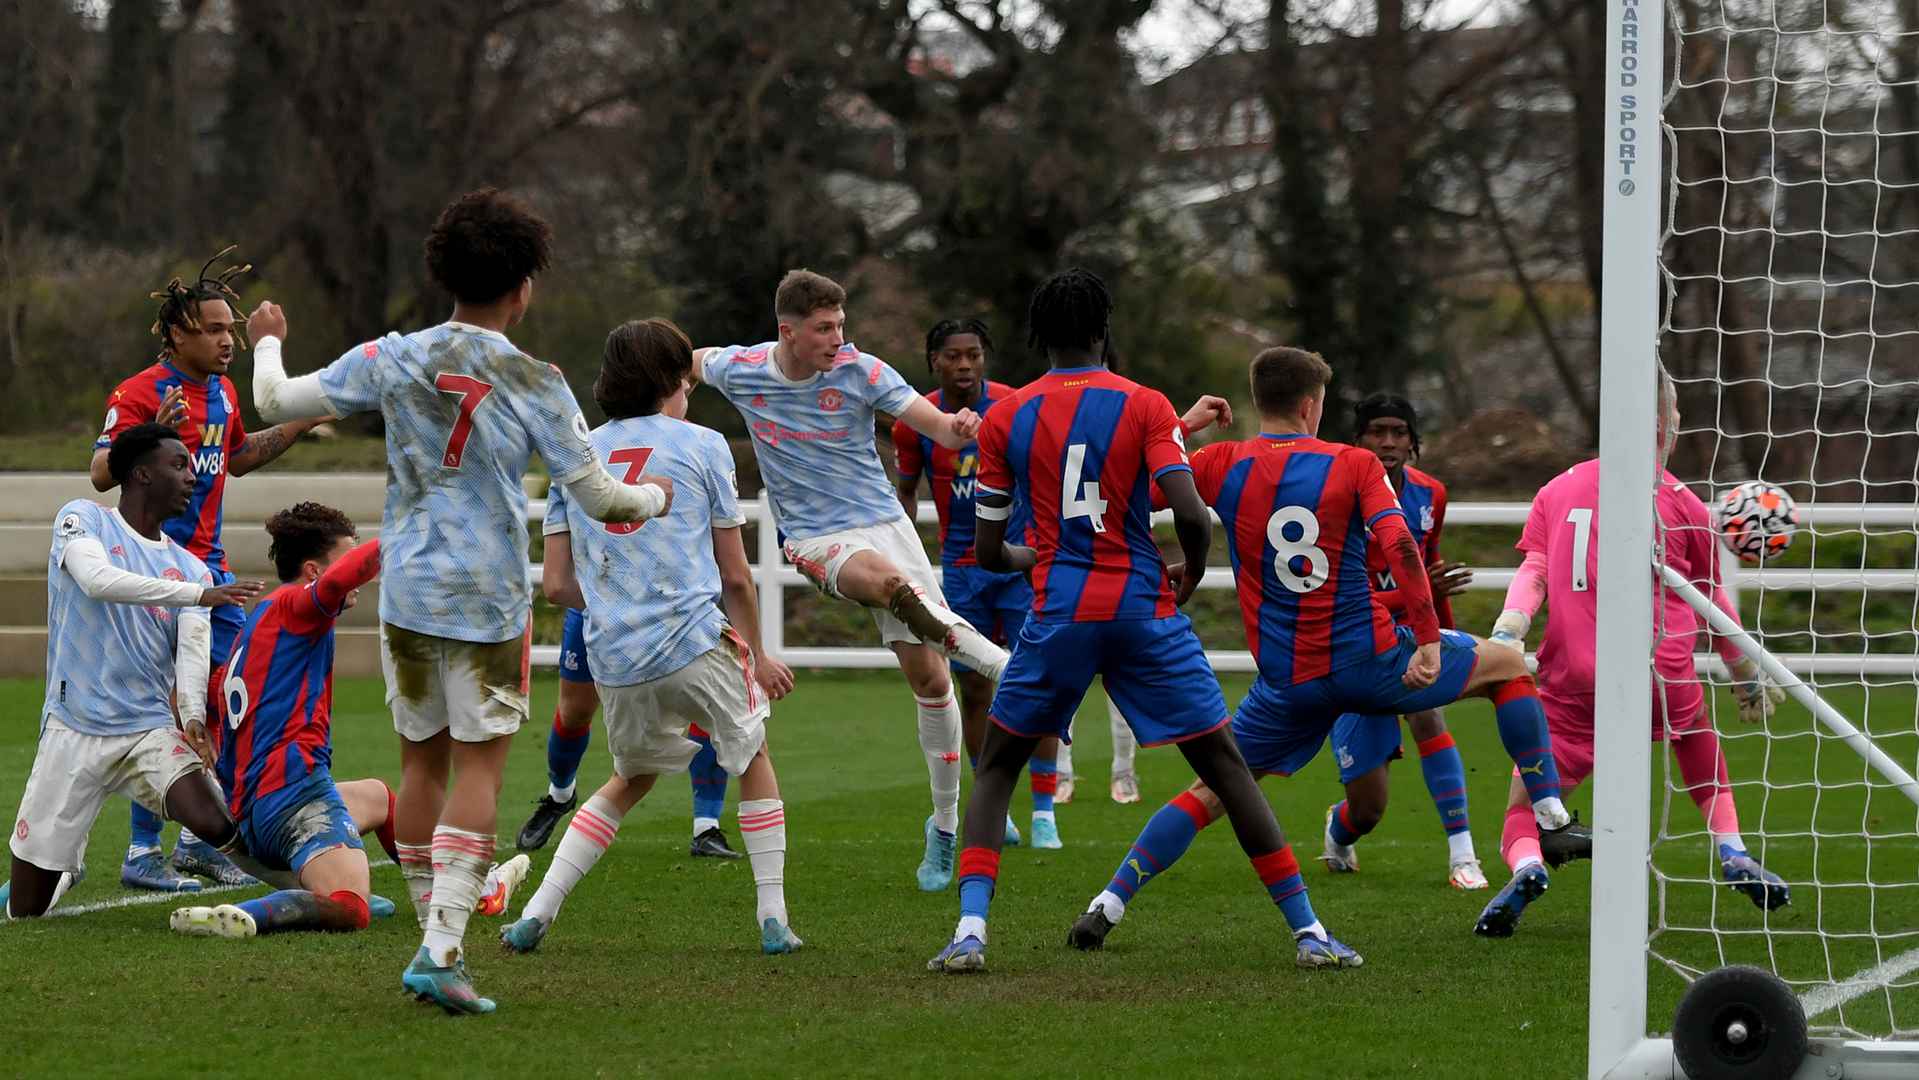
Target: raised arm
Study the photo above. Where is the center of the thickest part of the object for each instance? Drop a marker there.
(262, 447)
(349, 572)
(278, 397)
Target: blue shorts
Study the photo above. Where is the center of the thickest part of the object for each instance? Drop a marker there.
(996, 604)
(288, 828)
(1281, 728)
(228, 619)
(573, 665)
(1155, 670)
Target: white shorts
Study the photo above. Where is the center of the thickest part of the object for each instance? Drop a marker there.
(646, 722)
(820, 559)
(477, 691)
(73, 773)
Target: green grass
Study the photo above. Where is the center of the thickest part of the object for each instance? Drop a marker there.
(653, 967)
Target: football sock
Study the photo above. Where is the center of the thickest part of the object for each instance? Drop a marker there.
(1459, 847)
(709, 783)
(1167, 835)
(298, 909)
(460, 861)
(978, 873)
(1340, 826)
(1279, 872)
(416, 866)
(146, 832)
(186, 837)
(763, 828)
(1445, 773)
(1519, 841)
(1063, 761)
(1125, 744)
(1702, 765)
(565, 748)
(384, 833)
(1109, 902)
(587, 837)
(950, 635)
(1045, 780)
(939, 723)
(1522, 728)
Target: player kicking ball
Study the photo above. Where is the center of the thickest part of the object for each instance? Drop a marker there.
(1081, 445)
(956, 353)
(1561, 568)
(1388, 425)
(1295, 510)
(810, 399)
(275, 760)
(573, 731)
(675, 631)
(127, 643)
(465, 410)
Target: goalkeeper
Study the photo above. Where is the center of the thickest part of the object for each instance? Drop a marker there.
(1561, 563)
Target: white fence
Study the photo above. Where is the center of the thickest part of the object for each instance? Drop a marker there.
(774, 577)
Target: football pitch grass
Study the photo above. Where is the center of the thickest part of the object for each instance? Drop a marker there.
(653, 968)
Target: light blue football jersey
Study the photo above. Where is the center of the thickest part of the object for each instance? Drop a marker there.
(110, 666)
(464, 411)
(652, 589)
(814, 436)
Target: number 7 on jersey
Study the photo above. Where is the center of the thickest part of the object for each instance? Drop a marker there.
(471, 392)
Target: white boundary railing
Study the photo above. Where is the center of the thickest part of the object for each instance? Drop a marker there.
(774, 576)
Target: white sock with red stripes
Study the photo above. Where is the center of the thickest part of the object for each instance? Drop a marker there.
(460, 859)
(587, 837)
(940, 741)
(763, 827)
(416, 866)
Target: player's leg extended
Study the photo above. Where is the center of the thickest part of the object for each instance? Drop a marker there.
(1125, 785)
(1356, 815)
(871, 579)
(976, 699)
(940, 742)
(588, 835)
(1702, 767)
(1526, 849)
(1002, 758)
(709, 799)
(1445, 774)
(333, 896)
(763, 832)
(566, 744)
(1499, 674)
(1167, 835)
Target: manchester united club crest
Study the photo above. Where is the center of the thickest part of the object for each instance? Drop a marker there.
(831, 400)
(20, 830)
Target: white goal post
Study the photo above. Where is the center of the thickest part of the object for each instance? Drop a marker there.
(1783, 83)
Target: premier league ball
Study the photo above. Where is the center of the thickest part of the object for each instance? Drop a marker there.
(1756, 520)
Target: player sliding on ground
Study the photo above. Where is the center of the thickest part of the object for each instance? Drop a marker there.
(1296, 511)
(127, 641)
(810, 398)
(1081, 446)
(1561, 568)
(956, 353)
(187, 388)
(464, 411)
(674, 624)
(1387, 425)
(276, 756)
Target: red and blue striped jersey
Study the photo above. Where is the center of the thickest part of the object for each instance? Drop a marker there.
(1082, 447)
(213, 430)
(952, 474)
(1423, 498)
(1296, 511)
(278, 690)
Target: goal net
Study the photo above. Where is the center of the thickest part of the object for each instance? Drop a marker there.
(1784, 174)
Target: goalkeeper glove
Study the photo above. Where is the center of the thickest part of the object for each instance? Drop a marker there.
(1757, 697)
(1510, 629)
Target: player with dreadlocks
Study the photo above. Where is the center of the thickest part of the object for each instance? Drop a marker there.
(1083, 446)
(186, 388)
(1388, 425)
(956, 353)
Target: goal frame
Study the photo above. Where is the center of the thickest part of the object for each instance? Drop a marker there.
(1618, 1043)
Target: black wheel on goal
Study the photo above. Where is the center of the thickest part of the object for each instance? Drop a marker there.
(1739, 1023)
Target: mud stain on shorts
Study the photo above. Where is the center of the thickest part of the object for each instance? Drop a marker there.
(416, 657)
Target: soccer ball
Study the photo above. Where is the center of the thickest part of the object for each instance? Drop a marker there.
(1756, 520)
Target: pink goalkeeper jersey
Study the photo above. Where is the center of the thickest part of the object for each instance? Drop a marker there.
(1564, 525)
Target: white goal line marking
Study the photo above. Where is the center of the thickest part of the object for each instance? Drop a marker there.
(1825, 998)
(145, 898)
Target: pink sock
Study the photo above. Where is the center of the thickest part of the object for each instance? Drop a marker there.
(1519, 843)
(1703, 769)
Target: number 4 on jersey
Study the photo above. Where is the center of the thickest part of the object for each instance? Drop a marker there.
(1077, 498)
(634, 458)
